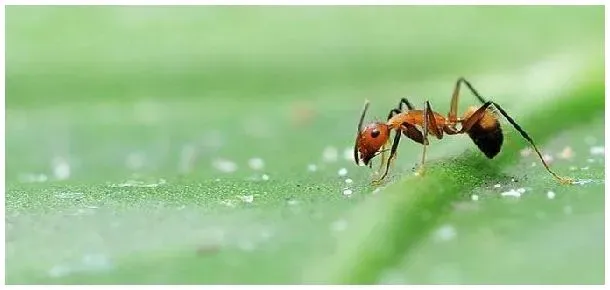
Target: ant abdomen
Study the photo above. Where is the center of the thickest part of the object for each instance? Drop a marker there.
(486, 134)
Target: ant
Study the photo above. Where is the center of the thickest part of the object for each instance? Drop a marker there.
(481, 124)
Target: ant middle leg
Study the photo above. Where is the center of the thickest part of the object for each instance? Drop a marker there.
(429, 124)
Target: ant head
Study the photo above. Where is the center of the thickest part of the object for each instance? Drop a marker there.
(370, 139)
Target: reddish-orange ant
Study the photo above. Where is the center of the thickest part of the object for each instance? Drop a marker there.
(481, 124)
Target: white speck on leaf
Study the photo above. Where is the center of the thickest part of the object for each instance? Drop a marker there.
(247, 198)
(228, 203)
(566, 153)
(224, 165)
(68, 194)
(31, 177)
(474, 197)
(135, 160)
(597, 150)
(512, 193)
(582, 181)
(348, 181)
(497, 185)
(348, 154)
(347, 191)
(61, 168)
(312, 168)
(550, 194)
(525, 152)
(330, 154)
(59, 271)
(548, 158)
(265, 177)
(445, 233)
(342, 172)
(256, 163)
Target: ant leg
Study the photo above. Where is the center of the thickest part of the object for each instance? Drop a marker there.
(405, 101)
(478, 114)
(392, 156)
(429, 123)
(398, 110)
(564, 180)
(393, 112)
(383, 158)
(361, 120)
(452, 115)
(474, 118)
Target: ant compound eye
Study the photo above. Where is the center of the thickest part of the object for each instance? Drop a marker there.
(375, 133)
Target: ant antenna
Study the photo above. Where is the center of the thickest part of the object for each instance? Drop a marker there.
(366, 107)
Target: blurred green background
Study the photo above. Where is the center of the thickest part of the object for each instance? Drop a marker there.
(133, 134)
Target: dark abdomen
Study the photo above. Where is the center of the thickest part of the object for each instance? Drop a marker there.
(489, 138)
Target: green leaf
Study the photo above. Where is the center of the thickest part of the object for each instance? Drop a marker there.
(133, 134)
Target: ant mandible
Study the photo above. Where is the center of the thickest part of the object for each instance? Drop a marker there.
(481, 125)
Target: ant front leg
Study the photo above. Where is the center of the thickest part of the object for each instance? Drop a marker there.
(391, 157)
(405, 101)
(398, 109)
(393, 112)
